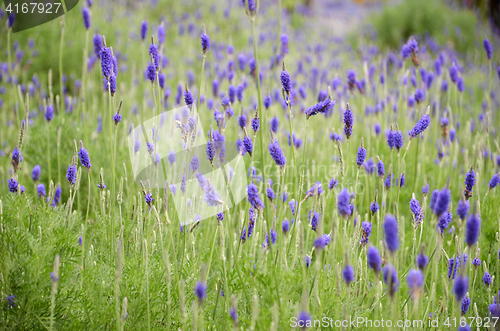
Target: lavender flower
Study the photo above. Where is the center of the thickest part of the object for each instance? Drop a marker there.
(195, 164)
(460, 287)
(304, 318)
(205, 43)
(274, 124)
(444, 221)
(472, 229)
(57, 196)
(253, 196)
(374, 207)
(106, 62)
(321, 107)
(470, 181)
(348, 121)
(442, 201)
(49, 113)
(348, 274)
(188, 97)
(248, 145)
(367, 231)
(277, 154)
(200, 290)
(97, 41)
(373, 259)
(84, 157)
(415, 208)
(71, 174)
(422, 261)
(117, 118)
(464, 308)
(487, 278)
(495, 180)
(415, 280)
(314, 219)
(151, 72)
(270, 193)
(361, 155)
(391, 279)
(332, 184)
(285, 226)
(343, 203)
(420, 127)
(211, 196)
(17, 158)
(40, 188)
(398, 139)
(286, 82)
(144, 29)
(487, 48)
(255, 123)
(86, 17)
(292, 205)
(35, 174)
(391, 233)
(267, 101)
(322, 242)
(13, 185)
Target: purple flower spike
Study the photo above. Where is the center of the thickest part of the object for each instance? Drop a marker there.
(348, 121)
(277, 154)
(488, 49)
(205, 43)
(348, 274)
(86, 17)
(420, 127)
(472, 229)
(391, 233)
(373, 259)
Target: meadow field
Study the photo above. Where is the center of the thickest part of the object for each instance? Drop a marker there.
(217, 165)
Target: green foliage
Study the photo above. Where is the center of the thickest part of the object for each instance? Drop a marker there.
(424, 17)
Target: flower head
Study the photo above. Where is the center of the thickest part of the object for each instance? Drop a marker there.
(200, 290)
(322, 242)
(276, 153)
(367, 231)
(472, 229)
(442, 201)
(470, 181)
(460, 287)
(205, 43)
(253, 196)
(373, 259)
(348, 274)
(422, 261)
(40, 188)
(285, 81)
(487, 48)
(86, 17)
(343, 203)
(391, 233)
(348, 121)
(391, 279)
(361, 155)
(84, 157)
(144, 29)
(420, 127)
(71, 174)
